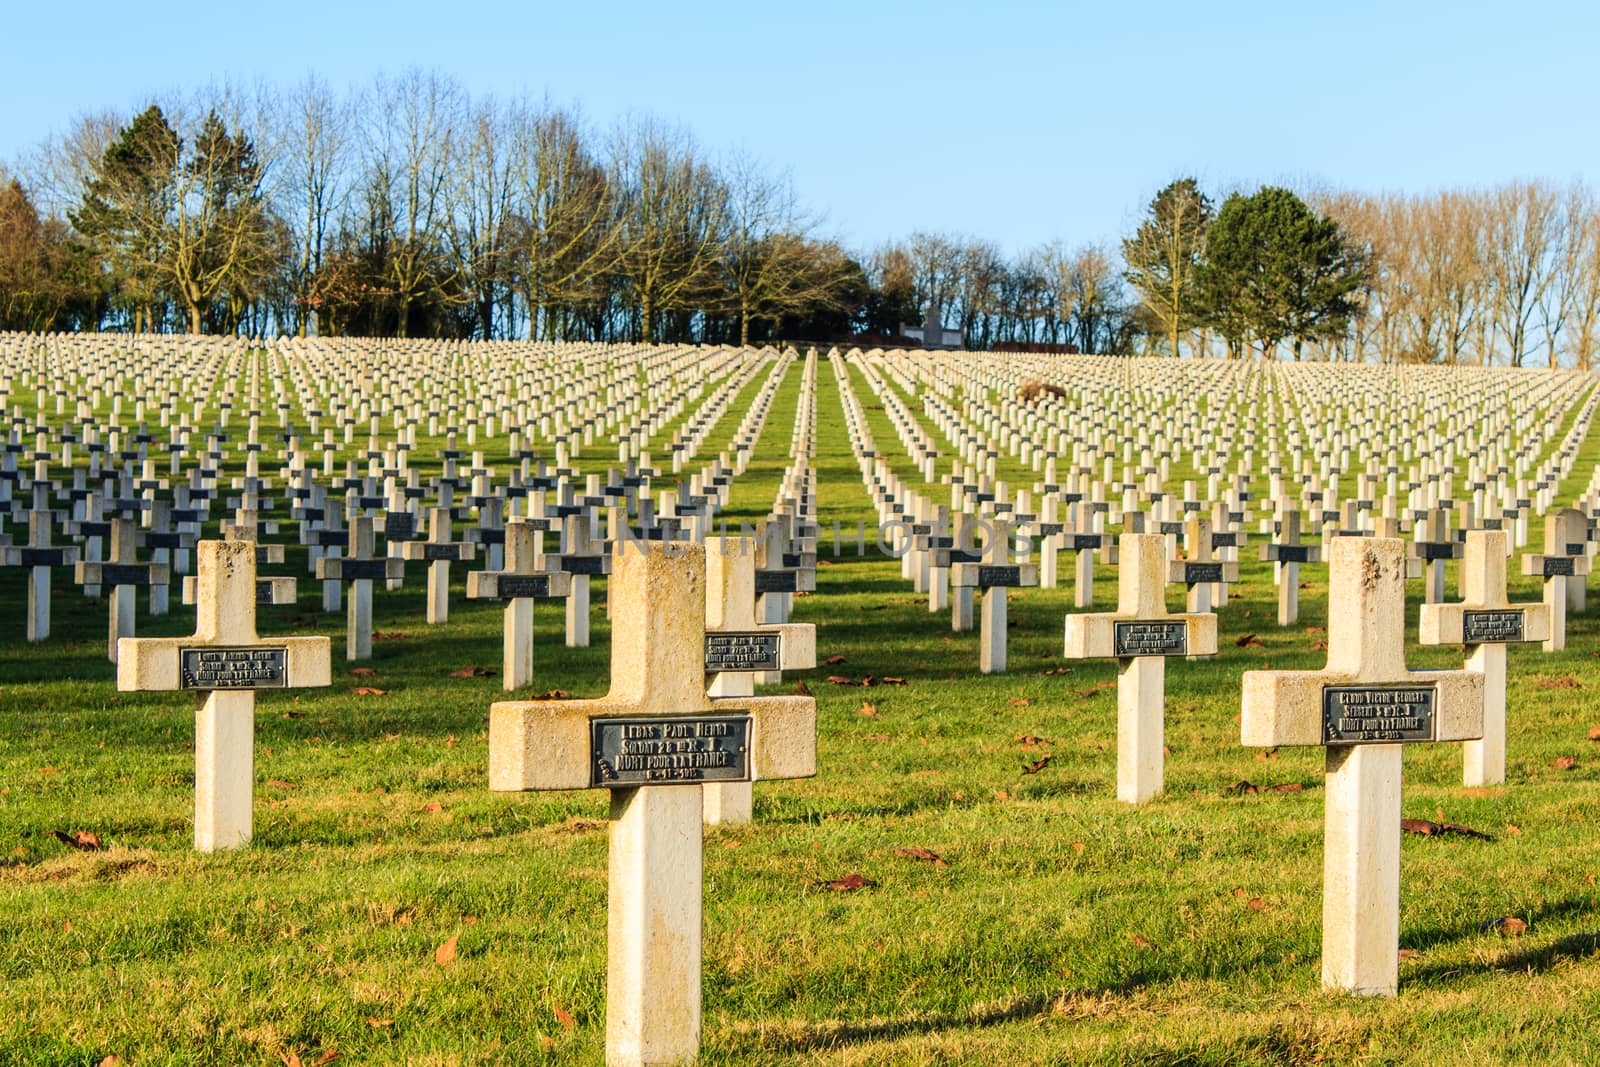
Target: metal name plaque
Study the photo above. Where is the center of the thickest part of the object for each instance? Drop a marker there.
(437, 553)
(776, 582)
(219, 668)
(1491, 627)
(680, 750)
(743, 651)
(1558, 567)
(1159, 638)
(1202, 573)
(991, 576)
(522, 586)
(1377, 714)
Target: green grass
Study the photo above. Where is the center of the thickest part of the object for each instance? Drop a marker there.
(1064, 928)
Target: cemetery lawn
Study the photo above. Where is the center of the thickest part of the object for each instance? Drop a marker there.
(957, 885)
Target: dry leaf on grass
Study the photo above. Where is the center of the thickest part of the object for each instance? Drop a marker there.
(554, 694)
(1506, 925)
(833, 661)
(1019, 702)
(564, 1017)
(1594, 733)
(889, 679)
(1038, 765)
(1437, 829)
(801, 689)
(369, 691)
(1141, 942)
(839, 679)
(1249, 641)
(363, 672)
(1030, 741)
(446, 952)
(433, 807)
(848, 884)
(1564, 763)
(917, 853)
(379, 1024)
(83, 840)
(1409, 954)
(1566, 681)
(867, 709)
(472, 672)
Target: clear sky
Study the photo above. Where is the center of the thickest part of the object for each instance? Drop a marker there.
(1020, 122)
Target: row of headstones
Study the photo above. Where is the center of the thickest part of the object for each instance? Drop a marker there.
(674, 751)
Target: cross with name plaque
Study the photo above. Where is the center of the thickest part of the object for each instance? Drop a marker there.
(518, 585)
(122, 573)
(1288, 554)
(361, 567)
(992, 576)
(225, 662)
(1140, 634)
(1563, 564)
(439, 552)
(1485, 622)
(39, 555)
(1362, 707)
(737, 648)
(655, 733)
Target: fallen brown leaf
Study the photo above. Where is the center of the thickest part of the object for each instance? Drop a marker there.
(1506, 925)
(1434, 829)
(379, 1024)
(917, 853)
(1030, 741)
(1037, 765)
(1566, 681)
(1141, 942)
(363, 672)
(433, 807)
(1564, 763)
(472, 672)
(1267, 753)
(833, 661)
(326, 1058)
(877, 737)
(801, 689)
(1055, 670)
(1410, 954)
(83, 840)
(1288, 787)
(839, 679)
(1248, 641)
(1513, 830)
(111, 1061)
(278, 783)
(867, 709)
(564, 1017)
(369, 691)
(848, 884)
(1019, 702)
(1242, 788)
(1594, 733)
(290, 1059)
(553, 694)
(446, 952)
(891, 680)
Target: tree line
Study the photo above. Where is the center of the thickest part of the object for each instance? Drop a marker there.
(409, 208)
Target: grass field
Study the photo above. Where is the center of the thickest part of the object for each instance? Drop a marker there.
(1059, 927)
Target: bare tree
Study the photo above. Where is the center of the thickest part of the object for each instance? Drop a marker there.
(314, 184)
(1521, 234)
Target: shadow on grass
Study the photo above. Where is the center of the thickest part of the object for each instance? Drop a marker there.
(1529, 959)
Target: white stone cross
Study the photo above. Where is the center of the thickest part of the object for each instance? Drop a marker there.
(655, 733)
(1362, 706)
(439, 552)
(38, 555)
(1288, 554)
(227, 662)
(1565, 563)
(1485, 622)
(992, 577)
(737, 647)
(361, 567)
(1140, 634)
(122, 573)
(518, 585)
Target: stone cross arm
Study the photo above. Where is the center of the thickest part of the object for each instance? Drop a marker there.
(344, 569)
(168, 663)
(1555, 566)
(1284, 708)
(1108, 635)
(785, 646)
(506, 585)
(547, 744)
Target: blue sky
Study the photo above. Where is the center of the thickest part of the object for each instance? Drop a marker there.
(1019, 122)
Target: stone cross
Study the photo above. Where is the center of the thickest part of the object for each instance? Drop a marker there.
(226, 662)
(1485, 622)
(583, 557)
(1433, 546)
(737, 648)
(1140, 634)
(655, 733)
(1288, 554)
(992, 577)
(360, 568)
(518, 585)
(38, 555)
(439, 552)
(1362, 706)
(122, 574)
(1565, 562)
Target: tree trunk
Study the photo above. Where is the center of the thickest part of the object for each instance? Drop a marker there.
(644, 320)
